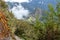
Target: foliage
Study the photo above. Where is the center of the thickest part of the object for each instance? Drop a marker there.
(3, 5)
(48, 29)
(26, 30)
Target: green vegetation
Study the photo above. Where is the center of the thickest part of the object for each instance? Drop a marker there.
(48, 29)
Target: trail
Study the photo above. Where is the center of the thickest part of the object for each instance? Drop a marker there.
(17, 38)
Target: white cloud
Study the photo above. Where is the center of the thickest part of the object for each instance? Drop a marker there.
(18, 1)
(19, 11)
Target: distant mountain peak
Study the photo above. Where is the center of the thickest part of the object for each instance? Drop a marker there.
(30, 6)
(33, 4)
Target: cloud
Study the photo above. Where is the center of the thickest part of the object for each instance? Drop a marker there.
(20, 1)
(19, 11)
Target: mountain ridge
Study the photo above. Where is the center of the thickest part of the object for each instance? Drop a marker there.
(33, 4)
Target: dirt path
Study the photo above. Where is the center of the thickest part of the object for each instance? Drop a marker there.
(17, 38)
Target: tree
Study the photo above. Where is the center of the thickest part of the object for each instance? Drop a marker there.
(3, 5)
